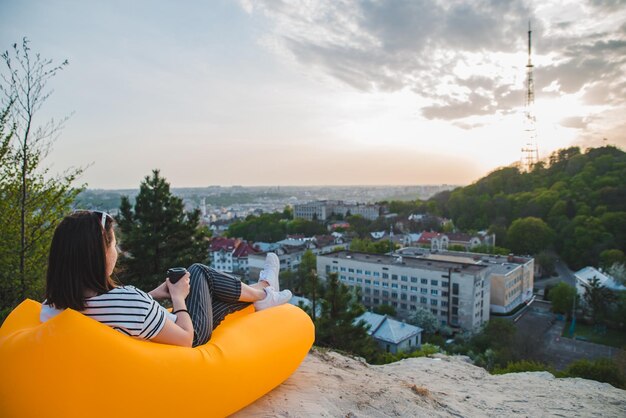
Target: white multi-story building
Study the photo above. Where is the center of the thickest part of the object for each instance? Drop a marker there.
(456, 293)
(230, 255)
(511, 277)
(322, 209)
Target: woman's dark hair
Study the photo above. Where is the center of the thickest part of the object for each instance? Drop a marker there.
(77, 260)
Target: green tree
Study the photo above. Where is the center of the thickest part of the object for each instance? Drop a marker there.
(610, 257)
(385, 309)
(424, 319)
(601, 370)
(562, 297)
(32, 201)
(529, 236)
(337, 326)
(157, 234)
(547, 262)
(598, 298)
(308, 265)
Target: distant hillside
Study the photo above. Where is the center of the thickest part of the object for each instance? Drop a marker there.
(581, 196)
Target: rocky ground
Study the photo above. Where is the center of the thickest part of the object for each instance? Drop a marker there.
(328, 384)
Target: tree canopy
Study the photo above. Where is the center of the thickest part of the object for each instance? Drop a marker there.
(580, 196)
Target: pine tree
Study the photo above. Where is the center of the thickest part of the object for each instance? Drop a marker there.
(157, 234)
(337, 326)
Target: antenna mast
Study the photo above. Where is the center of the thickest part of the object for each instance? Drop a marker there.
(530, 151)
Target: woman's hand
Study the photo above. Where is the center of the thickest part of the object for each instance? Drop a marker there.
(180, 289)
(161, 292)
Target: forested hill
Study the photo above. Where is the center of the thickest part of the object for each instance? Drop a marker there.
(580, 196)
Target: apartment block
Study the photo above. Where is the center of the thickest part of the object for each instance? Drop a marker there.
(456, 293)
(321, 210)
(512, 277)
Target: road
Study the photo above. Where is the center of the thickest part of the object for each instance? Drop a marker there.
(564, 274)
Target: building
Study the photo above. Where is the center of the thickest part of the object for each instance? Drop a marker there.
(437, 241)
(586, 275)
(230, 255)
(391, 335)
(511, 277)
(456, 293)
(321, 210)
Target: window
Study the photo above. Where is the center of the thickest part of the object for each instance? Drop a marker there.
(327, 269)
(403, 306)
(413, 308)
(385, 275)
(342, 269)
(423, 300)
(394, 285)
(424, 281)
(455, 311)
(434, 311)
(376, 301)
(368, 290)
(404, 278)
(444, 303)
(351, 278)
(444, 293)
(455, 288)
(394, 304)
(366, 299)
(385, 284)
(434, 282)
(350, 270)
(403, 287)
(455, 301)
(376, 274)
(444, 283)
(376, 292)
(444, 313)
(433, 302)
(413, 289)
(359, 280)
(376, 283)
(394, 295)
(394, 277)
(342, 277)
(385, 294)
(359, 271)
(368, 281)
(403, 296)
(423, 291)
(434, 292)
(413, 298)
(413, 279)
(368, 273)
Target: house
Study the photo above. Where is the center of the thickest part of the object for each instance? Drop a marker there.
(585, 276)
(230, 255)
(391, 335)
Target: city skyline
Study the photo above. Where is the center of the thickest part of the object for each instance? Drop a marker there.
(262, 93)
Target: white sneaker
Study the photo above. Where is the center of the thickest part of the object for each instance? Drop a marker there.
(272, 298)
(270, 271)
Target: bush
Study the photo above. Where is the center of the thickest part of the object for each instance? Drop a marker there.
(601, 370)
(523, 366)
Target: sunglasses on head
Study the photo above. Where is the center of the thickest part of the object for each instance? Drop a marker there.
(103, 217)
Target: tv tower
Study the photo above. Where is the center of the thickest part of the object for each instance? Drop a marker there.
(530, 151)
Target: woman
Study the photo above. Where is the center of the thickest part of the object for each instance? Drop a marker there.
(82, 257)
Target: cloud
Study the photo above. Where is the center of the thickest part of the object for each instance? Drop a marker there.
(462, 56)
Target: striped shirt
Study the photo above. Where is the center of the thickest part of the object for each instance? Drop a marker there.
(126, 309)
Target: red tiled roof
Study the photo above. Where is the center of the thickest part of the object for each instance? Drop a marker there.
(426, 237)
(223, 243)
(244, 249)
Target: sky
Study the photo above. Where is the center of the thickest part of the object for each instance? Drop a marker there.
(270, 92)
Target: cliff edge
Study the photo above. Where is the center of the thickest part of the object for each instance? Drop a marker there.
(328, 384)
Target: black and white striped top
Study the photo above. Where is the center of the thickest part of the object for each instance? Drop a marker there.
(126, 309)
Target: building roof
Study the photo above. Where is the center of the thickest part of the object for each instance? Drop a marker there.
(385, 328)
(426, 237)
(223, 243)
(408, 262)
(459, 237)
(243, 250)
(586, 274)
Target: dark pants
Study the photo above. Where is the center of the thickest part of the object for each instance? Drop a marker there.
(212, 296)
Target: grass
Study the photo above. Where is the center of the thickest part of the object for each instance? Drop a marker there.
(610, 337)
